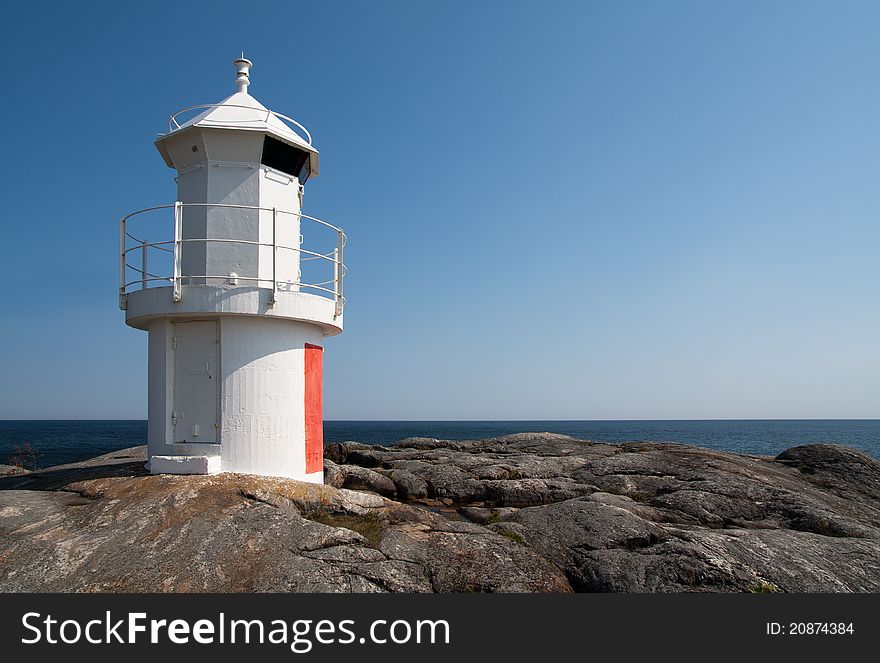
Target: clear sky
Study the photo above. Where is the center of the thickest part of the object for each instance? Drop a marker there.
(581, 210)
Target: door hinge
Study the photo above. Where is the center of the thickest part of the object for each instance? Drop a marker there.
(174, 343)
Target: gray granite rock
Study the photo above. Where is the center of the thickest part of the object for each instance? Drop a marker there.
(361, 478)
(9, 470)
(106, 526)
(651, 517)
(333, 474)
(533, 512)
(409, 486)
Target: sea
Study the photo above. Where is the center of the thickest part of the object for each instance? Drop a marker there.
(54, 442)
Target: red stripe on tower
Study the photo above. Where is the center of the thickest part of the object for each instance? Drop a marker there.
(314, 409)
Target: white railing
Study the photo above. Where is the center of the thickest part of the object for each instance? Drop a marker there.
(168, 254)
(174, 125)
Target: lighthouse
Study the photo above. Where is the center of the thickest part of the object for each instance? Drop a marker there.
(236, 288)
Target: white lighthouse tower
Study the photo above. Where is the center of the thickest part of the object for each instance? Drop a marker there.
(237, 289)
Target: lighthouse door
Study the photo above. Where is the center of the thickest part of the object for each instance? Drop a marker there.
(194, 415)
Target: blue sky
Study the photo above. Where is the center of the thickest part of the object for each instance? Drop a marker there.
(555, 210)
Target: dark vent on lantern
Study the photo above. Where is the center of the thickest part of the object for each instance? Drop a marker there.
(286, 158)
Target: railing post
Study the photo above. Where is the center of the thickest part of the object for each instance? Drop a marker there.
(178, 235)
(338, 271)
(143, 264)
(122, 302)
(274, 258)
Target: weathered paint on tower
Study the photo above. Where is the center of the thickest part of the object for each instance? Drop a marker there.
(237, 289)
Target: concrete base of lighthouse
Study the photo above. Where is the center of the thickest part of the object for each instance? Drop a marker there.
(184, 464)
(233, 391)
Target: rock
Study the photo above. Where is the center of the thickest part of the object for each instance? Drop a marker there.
(338, 451)
(365, 457)
(493, 563)
(449, 482)
(843, 471)
(647, 516)
(529, 492)
(533, 512)
(333, 475)
(485, 516)
(72, 530)
(408, 485)
(9, 470)
(361, 478)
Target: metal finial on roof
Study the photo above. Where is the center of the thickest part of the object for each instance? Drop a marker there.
(243, 68)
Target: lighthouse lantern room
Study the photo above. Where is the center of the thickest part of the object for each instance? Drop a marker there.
(237, 289)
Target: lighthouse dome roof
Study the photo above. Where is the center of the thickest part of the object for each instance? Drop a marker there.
(242, 112)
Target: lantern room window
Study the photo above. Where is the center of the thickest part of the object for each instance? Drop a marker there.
(286, 158)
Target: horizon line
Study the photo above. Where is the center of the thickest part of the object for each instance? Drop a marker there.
(524, 420)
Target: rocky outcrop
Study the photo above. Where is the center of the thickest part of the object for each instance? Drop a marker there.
(9, 470)
(654, 517)
(106, 526)
(521, 513)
